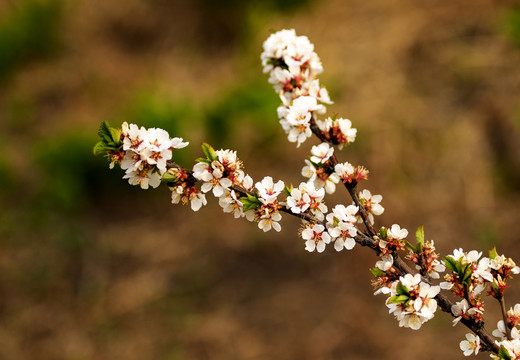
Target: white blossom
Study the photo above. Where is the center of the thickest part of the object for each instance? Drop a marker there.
(371, 203)
(321, 153)
(270, 221)
(299, 201)
(212, 179)
(385, 263)
(268, 190)
(395, 232)
(470, 345)
(316, 237)
(459, 309)
(231, 204)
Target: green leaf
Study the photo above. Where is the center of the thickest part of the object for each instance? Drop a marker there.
(170, 179)
(250, 202)
(99, 149)
(419, 235)
(209, 152)
(468, 271)
(503, 353)
(398, 299)
(110, 139)
(411, 247)
(287, 190)
(451, 263)
(383, 233)
(115, 136)
(493, 253)
(203, 160)
(377, 272)
(402, 290)
(104, 131)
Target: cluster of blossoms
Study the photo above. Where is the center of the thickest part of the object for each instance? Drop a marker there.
(146, 154)
(142, 153)
(293, 67)
(411, 300)
(222, 173)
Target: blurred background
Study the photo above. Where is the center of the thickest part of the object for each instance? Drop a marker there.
(92, 268)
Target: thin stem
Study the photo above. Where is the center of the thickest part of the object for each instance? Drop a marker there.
(504, 316)
(351, 188)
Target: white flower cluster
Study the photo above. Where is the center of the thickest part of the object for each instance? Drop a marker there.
(267, 214)
(146, 152)
(293, 67)
(338, 130)
(221, 174)
(315, 169)
(340, 228)
(480, 271)
(411, 300)
(307, 197)
(511, 346)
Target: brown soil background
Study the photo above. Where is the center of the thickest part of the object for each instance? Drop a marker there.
(119, 273)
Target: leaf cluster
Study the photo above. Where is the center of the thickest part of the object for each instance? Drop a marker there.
(462, 270)
(110, 140)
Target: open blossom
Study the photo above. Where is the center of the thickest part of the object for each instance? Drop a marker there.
(212, 179)
(296, 120)
(269, 221)
(338, 131)
(144, 177)
(299, 201)
(513, 315)
(285, 46)
(500, 331)
(463, 310)
(348, 174)
(321, 153)
(231, 204)
(185, 194)
(316, 237)
(470, 345)
(268, 190)
(371, 203)
(395, 232)
(293, 66)
(385, 263)
(316, 206)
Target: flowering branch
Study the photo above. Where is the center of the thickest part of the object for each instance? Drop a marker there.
(408, 280)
